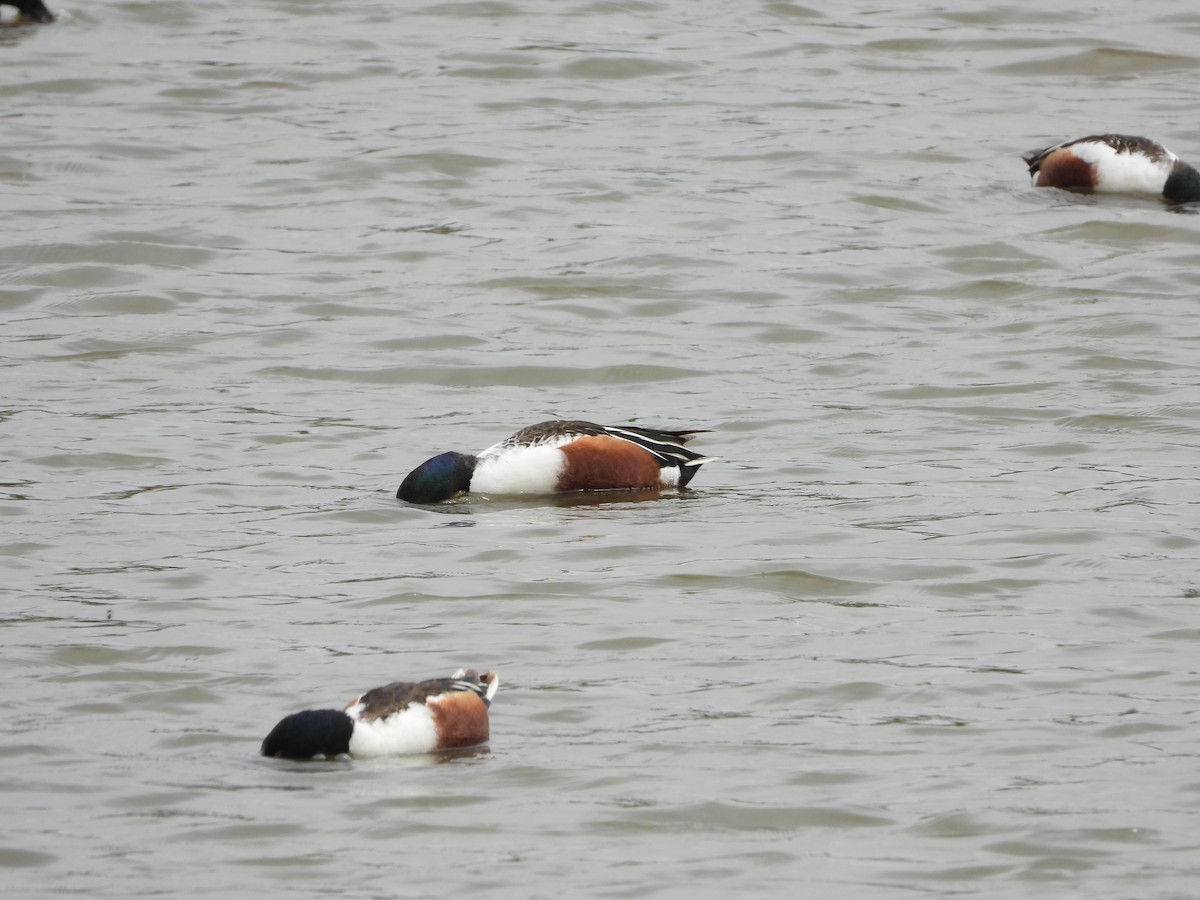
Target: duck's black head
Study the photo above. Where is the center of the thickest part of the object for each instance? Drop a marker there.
(1183, 184)
(34, 10)
(438, 479)
(313, 732)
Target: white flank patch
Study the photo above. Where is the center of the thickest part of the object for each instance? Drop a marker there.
(408, 731)
(669, 476)
(518, 470)
(1124, 173)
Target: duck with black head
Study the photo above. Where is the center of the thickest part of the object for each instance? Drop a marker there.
(1115, 164)
(561, 456)
(398, 718)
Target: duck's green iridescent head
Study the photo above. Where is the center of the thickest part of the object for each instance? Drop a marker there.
(438, 479)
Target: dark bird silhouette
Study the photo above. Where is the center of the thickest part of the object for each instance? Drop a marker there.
(34, 10)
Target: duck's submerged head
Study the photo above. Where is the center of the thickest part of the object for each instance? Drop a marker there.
(314, 732)
(438, 479)
(1183, 184)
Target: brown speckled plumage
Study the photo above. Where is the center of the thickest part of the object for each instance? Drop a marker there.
(380, 702)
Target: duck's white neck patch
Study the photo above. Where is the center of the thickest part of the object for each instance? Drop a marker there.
(409, 731)
(518, 470)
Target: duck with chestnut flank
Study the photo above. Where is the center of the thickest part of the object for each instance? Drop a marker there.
(560, 456)
(1115, 163)
(396, 719)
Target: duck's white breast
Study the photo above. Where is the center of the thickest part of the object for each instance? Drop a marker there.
(518, 470)
(410, 731)
(1125, 173)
